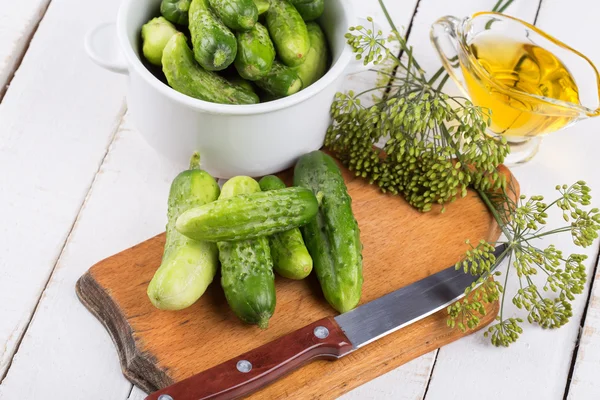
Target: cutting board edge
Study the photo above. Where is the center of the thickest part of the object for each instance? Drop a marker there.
(133, 363)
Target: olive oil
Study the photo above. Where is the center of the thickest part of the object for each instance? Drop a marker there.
(517, 82)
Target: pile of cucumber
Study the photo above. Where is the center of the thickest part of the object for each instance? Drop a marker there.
(253, 228)
(243, 51)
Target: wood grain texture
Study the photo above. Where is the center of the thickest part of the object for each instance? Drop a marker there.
(158, 348)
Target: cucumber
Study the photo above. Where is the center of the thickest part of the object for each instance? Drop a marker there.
(243, 84)
(239, 15)
(315, 65)
(290, 255)
(214, 44)
(262, 5)
(248, 216)
(176, 11)
(309, 10)
(333, 237)
(288, 31)
(246, 267)
(156, 33)
(186, 76)
(188, 266)
(281, 81)
(255, 54)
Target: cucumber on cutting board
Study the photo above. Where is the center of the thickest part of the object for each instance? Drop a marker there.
(249, 215)
(246, 267)
(333, 237)
(188, 266)
(290, 255)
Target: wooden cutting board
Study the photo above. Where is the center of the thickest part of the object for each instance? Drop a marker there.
(401, 246)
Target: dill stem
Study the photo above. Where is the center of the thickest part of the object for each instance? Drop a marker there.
(401, 40)
(503, 7)
(504, 287)
(483, 195)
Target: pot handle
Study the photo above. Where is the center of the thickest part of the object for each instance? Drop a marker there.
(444, 35)
(102, 47)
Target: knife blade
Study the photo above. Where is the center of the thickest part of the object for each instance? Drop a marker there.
(328, 338)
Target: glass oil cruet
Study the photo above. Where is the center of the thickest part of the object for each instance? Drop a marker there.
(532, 83)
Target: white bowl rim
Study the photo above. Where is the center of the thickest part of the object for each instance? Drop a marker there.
(334, 72)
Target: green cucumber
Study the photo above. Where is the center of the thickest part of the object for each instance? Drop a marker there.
(288, 31)
(333, 237)
(281, 81)
(315, 65)
(255, 54)
(188, 266)
(290, 255)
(176, 11)
(186, 76)
(246, 267)
(214, 44)
(243, 84)
(262, 5)
(309, 10)
(239, 15)
(156, 33)
(248, 216)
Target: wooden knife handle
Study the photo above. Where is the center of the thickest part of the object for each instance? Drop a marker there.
(259, 367)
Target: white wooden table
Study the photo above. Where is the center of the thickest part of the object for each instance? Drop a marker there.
(78, 184)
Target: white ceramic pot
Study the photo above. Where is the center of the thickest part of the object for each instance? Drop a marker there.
(253, 140)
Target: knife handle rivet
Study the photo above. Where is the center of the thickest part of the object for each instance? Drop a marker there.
(244, 366)
(321, 332)
(165, 397)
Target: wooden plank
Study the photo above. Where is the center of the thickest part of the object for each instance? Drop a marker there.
(560, 19)
(410, 381)
(584, 383)
(66, 352)
(565, 157)
(56, 122)
(129, 193)
(18, 22)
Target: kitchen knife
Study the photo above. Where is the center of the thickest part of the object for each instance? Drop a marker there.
(329, 338)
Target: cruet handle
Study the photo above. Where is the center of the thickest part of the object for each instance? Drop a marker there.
(444, 35)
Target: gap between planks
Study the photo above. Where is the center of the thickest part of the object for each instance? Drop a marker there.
(119, 122)
(582, 325)
(21, 53)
